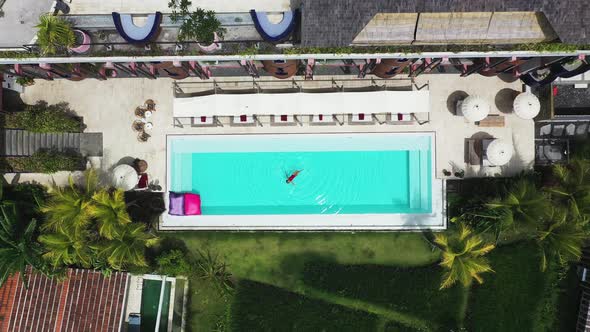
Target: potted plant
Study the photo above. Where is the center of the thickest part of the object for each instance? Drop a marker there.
(82, 42)
(200, 25)
(55, 34)
(25, 81)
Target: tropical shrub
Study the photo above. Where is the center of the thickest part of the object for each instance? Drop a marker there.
(18, 248)
(55, 34)
(173, 263)
(210, 268)
(127, 248)
(199, 25)
(25, 81)
(89, 226)
(45, 118)
(572, 187)
(561, 237)
(521, 203)
(462, 256)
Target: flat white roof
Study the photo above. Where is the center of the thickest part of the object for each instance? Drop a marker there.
(404, 102)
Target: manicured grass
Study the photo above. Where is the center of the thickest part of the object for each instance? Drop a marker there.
(279, 259)
(411, 291)
(517, 297)
(261, 307)
(569, 301)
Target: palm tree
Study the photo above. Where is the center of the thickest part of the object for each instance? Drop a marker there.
(573, 187)
(523, 203)
(462, 256)
(55, 33)
(18, 248)
(561, 237)
(69, 209)
(67, 248)
(128, 247)
(110, 211)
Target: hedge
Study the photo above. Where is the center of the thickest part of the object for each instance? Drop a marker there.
(43, 162)
(45, 118)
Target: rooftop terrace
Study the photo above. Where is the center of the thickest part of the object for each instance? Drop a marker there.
(109, 109)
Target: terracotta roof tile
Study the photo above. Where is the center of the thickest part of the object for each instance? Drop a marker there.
(85, 301)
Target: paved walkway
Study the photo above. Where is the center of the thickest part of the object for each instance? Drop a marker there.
(150, 6)
(17, 26)
(108, 107)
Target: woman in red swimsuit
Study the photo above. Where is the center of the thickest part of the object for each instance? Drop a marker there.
(292, 177)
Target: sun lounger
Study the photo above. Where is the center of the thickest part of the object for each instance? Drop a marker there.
(322, 119)
(361, 118)
(558, 130)
(204, 121)
(473, 152)
(283, 120)
(243, 120)
(545, 130)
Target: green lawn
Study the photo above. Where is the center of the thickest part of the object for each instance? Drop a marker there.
(411, 291)
(365, 281)
(518, 296)
(260, 307)
(279, 260)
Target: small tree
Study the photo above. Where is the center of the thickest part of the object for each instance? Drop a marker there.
(55, 34)
(462, 256)
(200, 25)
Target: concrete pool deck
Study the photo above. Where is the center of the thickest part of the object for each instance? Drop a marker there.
(418, 219)
(108, 107)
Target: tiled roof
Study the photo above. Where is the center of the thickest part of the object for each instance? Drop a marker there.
(331, 23)
(85, 301)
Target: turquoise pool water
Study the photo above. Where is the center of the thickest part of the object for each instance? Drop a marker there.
(340, 173)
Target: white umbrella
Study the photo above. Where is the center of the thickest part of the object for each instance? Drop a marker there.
(526, 105)
(125, 177)
(499, 152)
(475, 108)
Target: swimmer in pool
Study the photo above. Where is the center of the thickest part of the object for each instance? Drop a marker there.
(292, 177)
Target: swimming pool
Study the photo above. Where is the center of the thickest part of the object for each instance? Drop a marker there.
(340, 174)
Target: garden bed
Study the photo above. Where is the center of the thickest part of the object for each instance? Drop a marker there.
(43, 162)
(44, 118)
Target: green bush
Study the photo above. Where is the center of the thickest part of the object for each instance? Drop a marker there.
(199, 25)
(46, 161)
(45, 118)
(173, 263)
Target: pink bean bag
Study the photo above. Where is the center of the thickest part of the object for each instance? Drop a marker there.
(192, 204)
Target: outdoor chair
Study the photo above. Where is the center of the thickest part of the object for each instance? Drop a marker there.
(204, 121)
(322, 119)
(243, 120)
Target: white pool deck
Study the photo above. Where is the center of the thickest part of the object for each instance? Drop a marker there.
(108, 107)
(309, 222)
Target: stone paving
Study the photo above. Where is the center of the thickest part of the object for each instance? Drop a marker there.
(108, 107)
(150, 6)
